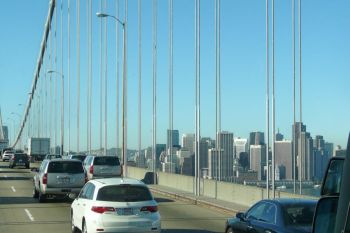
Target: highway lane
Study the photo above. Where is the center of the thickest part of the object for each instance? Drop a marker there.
(20, 213)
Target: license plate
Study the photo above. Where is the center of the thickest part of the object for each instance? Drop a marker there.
(128, 211)
(64, 180)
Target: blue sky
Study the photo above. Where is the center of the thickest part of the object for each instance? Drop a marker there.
(325, 67)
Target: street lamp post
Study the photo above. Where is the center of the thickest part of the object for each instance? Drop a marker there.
(124, 96)
(62, 107)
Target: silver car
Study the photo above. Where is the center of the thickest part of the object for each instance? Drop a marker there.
(57, 178)
(102, 167)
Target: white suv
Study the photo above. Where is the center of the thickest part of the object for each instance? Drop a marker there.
(58, 177)
(6, 155)
(115, 205)
(102, 166)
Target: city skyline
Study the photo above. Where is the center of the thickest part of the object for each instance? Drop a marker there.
(325, 73)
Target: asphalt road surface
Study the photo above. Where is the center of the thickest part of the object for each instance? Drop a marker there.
(20, 213)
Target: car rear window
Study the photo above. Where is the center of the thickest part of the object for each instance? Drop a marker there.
(124, 193)
(107, 160)
(299, 214)
(80, 157)
(65, 167)
(21, 156)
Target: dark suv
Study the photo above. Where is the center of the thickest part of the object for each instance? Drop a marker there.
(19, 159)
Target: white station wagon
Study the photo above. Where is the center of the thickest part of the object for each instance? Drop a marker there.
(115, 205)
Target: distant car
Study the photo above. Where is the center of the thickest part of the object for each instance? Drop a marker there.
(277, 216)
(53, 156)
(58, 177)
(19, 159)
(115, 205)
(102, 166)
(6, 155)
(81, 157)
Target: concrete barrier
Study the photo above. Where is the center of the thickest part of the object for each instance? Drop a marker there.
(235, 193)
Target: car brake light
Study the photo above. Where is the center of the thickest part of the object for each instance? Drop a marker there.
(91, 170)
(151, 209)
(102, 209)
(45, 178)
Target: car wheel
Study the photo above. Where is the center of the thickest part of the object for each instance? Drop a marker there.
(35, 193)
(229, 230)
(74, 228)
(42, 197)
(84, 230)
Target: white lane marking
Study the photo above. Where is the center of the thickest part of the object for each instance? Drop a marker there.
(5, 176)
(29, 215)
(13, 189)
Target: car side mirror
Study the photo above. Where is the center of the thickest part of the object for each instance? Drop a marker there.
(240, 216)
(325, 215)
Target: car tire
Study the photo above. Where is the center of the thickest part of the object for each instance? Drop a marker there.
(229, 230)
(84, 230)
(41, 197)
(74, 228)
(35, 193)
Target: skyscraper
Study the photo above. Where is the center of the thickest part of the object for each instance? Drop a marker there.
(258, 159)
(240, 145)
(303, 146)
(284, 156)
(172, 138)
(225, 143)
(187, 141)
(203, 158)
(279, 136)
(214, 163)
(256, 138)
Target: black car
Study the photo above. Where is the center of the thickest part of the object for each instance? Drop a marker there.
(278, 215)
(19, 159)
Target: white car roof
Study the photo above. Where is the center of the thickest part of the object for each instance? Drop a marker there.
(116, 181)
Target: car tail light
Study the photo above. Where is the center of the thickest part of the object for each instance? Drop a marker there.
(91, 170)
(151, 209)
(45, 178)
(102, 209)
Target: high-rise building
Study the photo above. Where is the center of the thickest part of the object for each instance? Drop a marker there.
(172, 138)
(187, 142)
(284, 156)
(256, 138)
(210, 141)
(187, 165)
(279, 136)
(240, 145)
(215, 163)
(203, 160)
(225, 143)
(329, 147)
(258, 160)
(304, 152)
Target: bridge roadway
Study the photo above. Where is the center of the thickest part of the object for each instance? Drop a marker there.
(20, 213)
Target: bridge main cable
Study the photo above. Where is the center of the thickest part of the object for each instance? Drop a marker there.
(38, 68)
